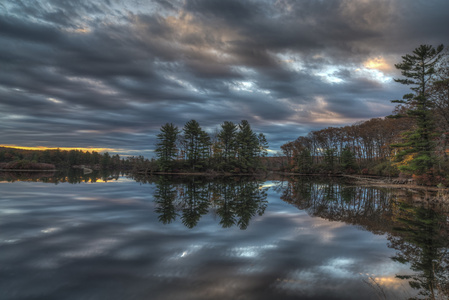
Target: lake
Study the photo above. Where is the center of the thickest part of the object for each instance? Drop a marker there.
(115, 237)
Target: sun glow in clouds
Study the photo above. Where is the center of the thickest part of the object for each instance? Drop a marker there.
(377, 63)
(376, 69)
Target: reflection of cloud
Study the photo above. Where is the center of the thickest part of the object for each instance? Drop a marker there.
(250, 251)
(282, 256)
(338, 267)
(192, 249)
(98, 247)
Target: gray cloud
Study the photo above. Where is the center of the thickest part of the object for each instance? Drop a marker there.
(109, 74)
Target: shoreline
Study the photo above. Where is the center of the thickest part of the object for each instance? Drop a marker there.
(371, 180)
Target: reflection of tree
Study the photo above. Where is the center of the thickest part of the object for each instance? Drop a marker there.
(419, 235)
(421, 238)
(249, 202)
(164, 198)
(224, 199)
(333, 200)
(195, 202)
(73, 176)
(235, 200)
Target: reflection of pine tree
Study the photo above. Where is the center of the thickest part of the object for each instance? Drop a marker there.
(195, 203)
(164, 197)
(422, 241)
(250, 201)
(236, 201)
(226, 203)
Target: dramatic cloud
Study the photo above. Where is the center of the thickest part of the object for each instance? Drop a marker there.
(109, 74)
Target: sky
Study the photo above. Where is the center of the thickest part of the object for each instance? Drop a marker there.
(108, 74)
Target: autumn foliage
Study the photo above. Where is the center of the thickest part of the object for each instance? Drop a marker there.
(350, 149)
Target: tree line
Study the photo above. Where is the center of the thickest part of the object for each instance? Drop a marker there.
(13, 158)
(412, 141)
(234, 148)
(357, 148)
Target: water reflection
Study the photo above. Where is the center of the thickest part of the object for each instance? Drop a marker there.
(165, 237)
(421, 237)
(234, 200)
(73, 176)
(419, 232)
(335, 200)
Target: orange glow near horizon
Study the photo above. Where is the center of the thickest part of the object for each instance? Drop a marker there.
(60, 148)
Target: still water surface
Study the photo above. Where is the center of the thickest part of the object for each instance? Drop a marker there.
(225, 239)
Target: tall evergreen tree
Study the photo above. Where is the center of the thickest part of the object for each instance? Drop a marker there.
(227, 138)
(166, 149)
(263, 145)
(247, 146)
(197, 144)
(418, 69)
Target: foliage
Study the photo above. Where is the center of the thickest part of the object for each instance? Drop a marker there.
(263, 145)
(418, 69)
(385, 168)
(350, 148)
(329, 160)
(166, 149)
(227, 139)
(430, 178)
(347, 160)
(197, 144)
(303, 161)
(235, 148)
(247, 147)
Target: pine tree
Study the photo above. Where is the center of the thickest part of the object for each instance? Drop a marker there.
(418, 69)
(247, 146)
(197, 144)
(263, 145)
(166, 149)
(228, 140)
